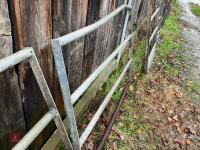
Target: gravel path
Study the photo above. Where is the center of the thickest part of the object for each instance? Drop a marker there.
(191, 32)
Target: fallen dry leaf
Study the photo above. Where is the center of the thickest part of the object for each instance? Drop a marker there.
(90, 145)
(188, 142)
(175, 117)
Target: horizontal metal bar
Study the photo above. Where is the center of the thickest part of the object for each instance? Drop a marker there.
(155, 13)
(49, 100)
(153, 34)
(124, 31)
(88, 29)
(135, 32)
(126, 22)
(84, 86)
(64, 84)
(151, 57)
(35, 131)
(100, 110)
(16, 58)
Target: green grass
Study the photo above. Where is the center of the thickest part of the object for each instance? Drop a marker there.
(170, 42)
(112, 79)
(139, 55)
(170, 35)
(195, 9)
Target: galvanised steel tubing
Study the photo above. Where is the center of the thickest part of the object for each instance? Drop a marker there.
(155, 13)
(49, 100)
(126, 21)
(88, 29)
(28, 54)
(100, 110)
(11, 60)
(124, 28)
(153, 34)
(63, 79)
(135, 32)
(151, 56)
(84, 86)
(35, 131)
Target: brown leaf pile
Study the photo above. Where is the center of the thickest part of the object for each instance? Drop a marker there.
(171, 114)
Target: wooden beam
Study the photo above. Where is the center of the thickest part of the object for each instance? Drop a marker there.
(32, 27)
(12, 118)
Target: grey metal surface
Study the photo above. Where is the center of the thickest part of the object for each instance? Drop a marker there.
(100, 110)
(49, 100)
(151, 56)
(14, 59)
(83, 87)
(35, 131)
(131, 70)
(88, 29)
(124, 31)
(29, 55)
(153, 34)
(130, 2)
(63, 79)
(155, 13)
(57, 44)
(156, 33)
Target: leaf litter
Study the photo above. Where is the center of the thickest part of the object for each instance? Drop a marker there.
(157, 113)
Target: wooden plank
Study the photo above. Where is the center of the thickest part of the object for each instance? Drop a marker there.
(75, 56)
(12, 118)
(90, 40)
(69, 16)
(134, 13)
(82, 105)
(32, 27)
(106, 38)
(61, 11)
(102, 36)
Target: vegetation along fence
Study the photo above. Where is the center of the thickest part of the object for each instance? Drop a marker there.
(76, 44)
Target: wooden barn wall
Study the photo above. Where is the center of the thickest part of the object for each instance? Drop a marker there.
(32, 27)
(33, 24)
(12, 118)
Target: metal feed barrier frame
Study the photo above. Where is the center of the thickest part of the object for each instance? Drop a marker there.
(27, 54)
(68, 98)
(155, 35)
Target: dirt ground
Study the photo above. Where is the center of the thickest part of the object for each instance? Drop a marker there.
(162, 110)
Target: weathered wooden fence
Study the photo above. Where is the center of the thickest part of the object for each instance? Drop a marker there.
(34, 24)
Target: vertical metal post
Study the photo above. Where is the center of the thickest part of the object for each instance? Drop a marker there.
(61, 71)
(159, 20)
(131, 71)
(148, 27)
(49, 99)
(124, 29)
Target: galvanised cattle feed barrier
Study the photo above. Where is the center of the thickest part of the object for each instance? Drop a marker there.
(27, 54)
